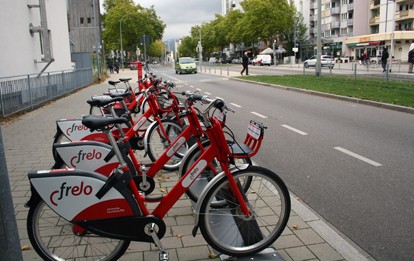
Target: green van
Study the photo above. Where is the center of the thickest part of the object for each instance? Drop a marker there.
(185, 65)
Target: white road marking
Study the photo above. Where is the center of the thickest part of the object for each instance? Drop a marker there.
(219, 98)
(198, 89)
(207, 93)
(235, 105)
(350, 153)
(259, 115)
(295, 130)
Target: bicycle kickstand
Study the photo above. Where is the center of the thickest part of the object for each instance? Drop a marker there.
(151, 230)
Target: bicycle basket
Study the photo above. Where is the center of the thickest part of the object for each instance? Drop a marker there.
(252, 142)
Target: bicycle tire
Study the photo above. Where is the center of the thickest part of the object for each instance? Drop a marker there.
(58, 138)
(227, 230)
(194, 191)
(53, 238)
(156, 144)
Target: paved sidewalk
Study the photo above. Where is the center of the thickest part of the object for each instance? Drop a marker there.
(28, 142)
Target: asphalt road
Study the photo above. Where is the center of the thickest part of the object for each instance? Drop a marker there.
(351, 163)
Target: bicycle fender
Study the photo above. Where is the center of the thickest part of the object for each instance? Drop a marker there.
(204, 143)
(203, 194)
(146, 142)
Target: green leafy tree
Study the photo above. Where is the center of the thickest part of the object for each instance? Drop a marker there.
(135, 22)
(188, 47)
(156, 49)
(264, 19)
(297, 34)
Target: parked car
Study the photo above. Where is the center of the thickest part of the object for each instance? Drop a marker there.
(212, 60)
(326, 61)
(185, 65)
(236, 61)
(262, 59)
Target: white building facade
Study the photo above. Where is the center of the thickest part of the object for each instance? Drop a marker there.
(25, 47)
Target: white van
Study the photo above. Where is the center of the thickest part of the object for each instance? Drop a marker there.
(262, 59)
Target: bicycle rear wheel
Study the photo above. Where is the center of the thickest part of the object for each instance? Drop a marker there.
(54, 238)
(194, 153)
(226, 228)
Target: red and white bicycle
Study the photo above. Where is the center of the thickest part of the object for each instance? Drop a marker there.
(81, 214)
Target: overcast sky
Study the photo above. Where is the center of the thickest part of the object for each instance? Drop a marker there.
(181, 15)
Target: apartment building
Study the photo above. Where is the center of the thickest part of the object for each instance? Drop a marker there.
(391, 24)
(350, 27)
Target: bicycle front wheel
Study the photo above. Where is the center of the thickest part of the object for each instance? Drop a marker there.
(228, 230)
(158, 138)
(54, 238)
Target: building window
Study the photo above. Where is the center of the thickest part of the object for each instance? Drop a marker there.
(81, 20)
(344, 16)
(344, 2)
(89, 20)
(344, 31)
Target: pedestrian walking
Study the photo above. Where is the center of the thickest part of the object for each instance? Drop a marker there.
(245, 63)
(111, 67)
(384, 58)
(116, 67)
(411, 58)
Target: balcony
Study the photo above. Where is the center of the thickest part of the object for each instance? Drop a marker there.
(335, 11)
(404, 15)
(374, 20)
(312, 18)
(374, 4)
(350, 22)
(335, 24)
(350, 7)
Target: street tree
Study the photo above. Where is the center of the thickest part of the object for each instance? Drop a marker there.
(295, 36)
(264, 19)
(187, 47)
(135, 22)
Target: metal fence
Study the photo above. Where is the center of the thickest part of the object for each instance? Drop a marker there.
(28, 91)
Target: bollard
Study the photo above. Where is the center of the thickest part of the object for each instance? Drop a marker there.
(355, 70)
(228, 67)
(304, 70)
(9, 239)
(386, 72)
(221, 67)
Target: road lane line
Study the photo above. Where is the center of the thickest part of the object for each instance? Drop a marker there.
(258, 114)
(198, 89)
(235, 105)
(295, 130)
(219, 98)
(350, 153)
(207, 93)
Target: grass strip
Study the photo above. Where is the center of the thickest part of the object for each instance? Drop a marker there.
(374, 89)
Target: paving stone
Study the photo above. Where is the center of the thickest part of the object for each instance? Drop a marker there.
(189, 240)
(193, 253)
(308, 236)
(325, 252)
(287, 242)
(300, 253)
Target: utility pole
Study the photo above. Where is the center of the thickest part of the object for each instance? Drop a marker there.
(318, 44)
(97, 42)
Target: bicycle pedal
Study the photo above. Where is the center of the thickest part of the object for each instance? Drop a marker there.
(164, 256)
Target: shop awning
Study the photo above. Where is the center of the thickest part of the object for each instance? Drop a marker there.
(363, 44)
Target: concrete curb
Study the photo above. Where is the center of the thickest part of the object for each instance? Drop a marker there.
(334, 96)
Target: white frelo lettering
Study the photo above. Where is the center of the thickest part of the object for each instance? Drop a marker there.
(140, 123)
(176, 147)
(189, 179)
